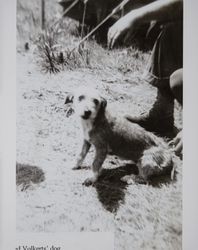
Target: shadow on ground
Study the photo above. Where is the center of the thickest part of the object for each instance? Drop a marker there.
(27, 174)
(111, 190)
(165, 179)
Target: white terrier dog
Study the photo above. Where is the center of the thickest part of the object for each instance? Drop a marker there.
(109, 133)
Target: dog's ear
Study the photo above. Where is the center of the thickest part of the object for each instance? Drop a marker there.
(103, 103)
(69, 98)
(69, 103)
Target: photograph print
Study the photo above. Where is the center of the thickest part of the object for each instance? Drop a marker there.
(99, 94)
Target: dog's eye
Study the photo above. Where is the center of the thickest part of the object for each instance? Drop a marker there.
(96, 102)
(81, 97)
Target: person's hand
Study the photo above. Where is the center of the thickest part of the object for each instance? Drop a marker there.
(126, 24)
(178, 144)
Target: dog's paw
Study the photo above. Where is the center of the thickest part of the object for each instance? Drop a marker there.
(133, 179)
(76, 167)
(128, 179)
(140, 180)
(89, 182)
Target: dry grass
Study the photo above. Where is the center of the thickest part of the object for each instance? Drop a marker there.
(56, 55)
(142, 217)
(56, 47)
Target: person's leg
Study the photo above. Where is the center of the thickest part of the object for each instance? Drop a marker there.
(165, 59)
(176, 85)
(159, 118)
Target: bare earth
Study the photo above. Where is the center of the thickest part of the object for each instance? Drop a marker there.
(50, 195)
(142, 216)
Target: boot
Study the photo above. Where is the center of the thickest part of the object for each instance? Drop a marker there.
(160, 119)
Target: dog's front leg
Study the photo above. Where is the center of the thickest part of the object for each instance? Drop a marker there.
(85, 148)
(100, 156)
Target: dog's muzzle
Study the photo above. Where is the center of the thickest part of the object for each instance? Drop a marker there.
(86, 115)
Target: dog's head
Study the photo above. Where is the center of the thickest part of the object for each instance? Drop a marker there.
(87, 103)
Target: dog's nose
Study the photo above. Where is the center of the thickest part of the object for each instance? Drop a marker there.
(87, 113)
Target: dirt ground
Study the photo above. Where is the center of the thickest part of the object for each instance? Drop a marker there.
(50, 195)
(141, 216)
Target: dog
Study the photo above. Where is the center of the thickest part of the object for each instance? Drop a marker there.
(108, 132)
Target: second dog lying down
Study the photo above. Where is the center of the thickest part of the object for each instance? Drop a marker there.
(109, 133)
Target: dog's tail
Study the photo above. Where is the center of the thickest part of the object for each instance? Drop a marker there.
(156, 161)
